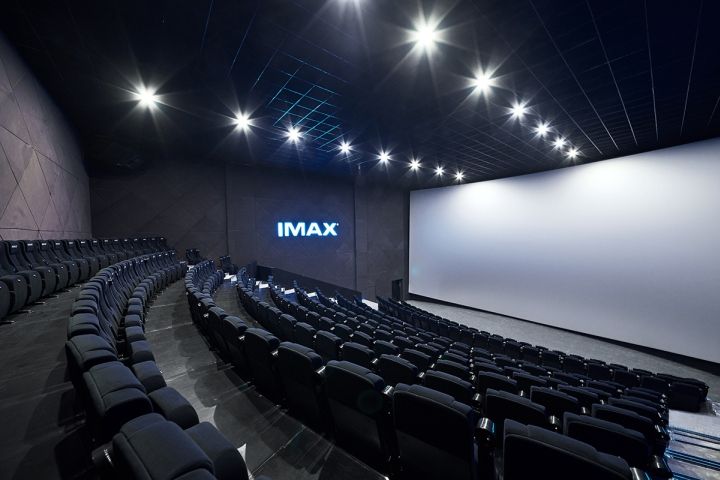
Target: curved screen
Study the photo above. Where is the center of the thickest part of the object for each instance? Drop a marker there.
(625, 249)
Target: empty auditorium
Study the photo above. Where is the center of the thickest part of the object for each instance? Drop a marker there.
(360, 239)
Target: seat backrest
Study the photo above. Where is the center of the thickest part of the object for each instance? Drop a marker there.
(555, 402)
(304, 334)
(381, 347)
(525, 381)
(533, 452)
(327, 345)
(363, 339)
(259, 347)
(442, 444)
(357, 407)
(501, 405)
(343, 331)
(456, 387)
(297, 367)
(586, 398)
(626, 418)
(420, 359)
(453, 368)
(286, 327)
(396, 370)
(495, 381)
(357, 354)
(608, 437)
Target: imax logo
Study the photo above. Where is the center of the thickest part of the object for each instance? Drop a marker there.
(301, 229)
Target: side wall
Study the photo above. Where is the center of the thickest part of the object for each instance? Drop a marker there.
(44, 190)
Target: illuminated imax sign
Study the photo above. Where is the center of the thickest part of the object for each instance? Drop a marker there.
(302, 229)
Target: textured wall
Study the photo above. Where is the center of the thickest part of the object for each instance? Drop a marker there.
(44, 190)
(258, 199)
(182, 201)
(381, 231)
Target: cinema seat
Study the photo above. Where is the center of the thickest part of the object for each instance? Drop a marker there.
(381, 347)
(653, 433)
(32, 281)
(298, 368)
(461, 390)
(533, 452)
(489, 380)
(499, 405)
(614, 439)
(227, 463)
(327, 345)
(394, 370)
(556, 403)
(441, 446)
(357, 354)
(359, 411)
(420, 359)
(30, 251)
(149, 447)
(260, 347)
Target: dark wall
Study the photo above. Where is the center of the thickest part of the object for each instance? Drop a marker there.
(258, 200)
(182, 201)
(44, 190)
(235, 210)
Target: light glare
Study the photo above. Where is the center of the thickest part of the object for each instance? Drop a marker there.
(542, 129)
(559, 142)
(425, 35)
(345, 147)
(572, 153)
(483, 82)
(519, 110)
(414, 164)
(384, 157)
(293, 134)
(242, 121)
(439, 171)
(146, 97)
(459, 175)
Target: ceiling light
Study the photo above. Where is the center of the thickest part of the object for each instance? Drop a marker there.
(542, 129)
(559, 142)
(242, 121)
(414, 164)
(459, 175)
(518, 110)
(293, 134)
(483, 82)
(572, 153)
(439, 171)
(384, 157)
(425, 35)
(146, 97)
(345, 147)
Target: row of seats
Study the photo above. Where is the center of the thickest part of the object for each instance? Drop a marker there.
(145, 428)
(372, 425)
(683, 393)
(193, 256)
(33, 269)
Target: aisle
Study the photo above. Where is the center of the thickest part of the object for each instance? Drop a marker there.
(42, 423)
(275, 445)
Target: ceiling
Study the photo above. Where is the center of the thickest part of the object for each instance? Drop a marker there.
(612, 77)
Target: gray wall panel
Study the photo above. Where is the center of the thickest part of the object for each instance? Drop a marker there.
(44, 190)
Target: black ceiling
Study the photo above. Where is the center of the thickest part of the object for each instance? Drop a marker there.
(614, 77)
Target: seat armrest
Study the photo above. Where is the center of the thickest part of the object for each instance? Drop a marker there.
(659, 468)
(661, 432)
(374, 363)
(485, 433)
(584, 411)
(638, 474)
(274, 354)
(420, 376)
(477, 402)
(555, 423)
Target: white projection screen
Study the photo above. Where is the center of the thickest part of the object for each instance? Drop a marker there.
(625, 249)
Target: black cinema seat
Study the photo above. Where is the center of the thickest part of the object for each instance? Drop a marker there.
(357, 354)
(500, 406)
(31, 278)
(443, 444)
(45, 252)
(62, 254)
(461, 390)
(609, 437)
(358, 408)
(396, 370)
(298, 368)
(33, 254)
(533, 452)
(260, 346)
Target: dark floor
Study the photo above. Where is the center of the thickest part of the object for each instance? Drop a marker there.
(275, 445)
(43, 433)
